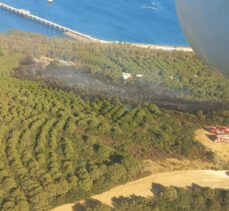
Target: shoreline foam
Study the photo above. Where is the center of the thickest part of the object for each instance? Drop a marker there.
(86, 38)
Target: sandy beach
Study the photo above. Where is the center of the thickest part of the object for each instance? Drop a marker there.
(86, 38)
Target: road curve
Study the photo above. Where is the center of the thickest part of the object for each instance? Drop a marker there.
(142, 187)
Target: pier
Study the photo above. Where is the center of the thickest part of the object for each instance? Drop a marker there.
(83, 37)
(28, 15)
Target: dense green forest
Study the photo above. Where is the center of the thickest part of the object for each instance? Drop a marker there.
(57, 146)
(178, 72)
(169, 199)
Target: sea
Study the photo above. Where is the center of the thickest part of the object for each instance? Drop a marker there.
(138, 21)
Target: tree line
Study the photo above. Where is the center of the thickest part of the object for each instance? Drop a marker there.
(170, 199)
(57, 146)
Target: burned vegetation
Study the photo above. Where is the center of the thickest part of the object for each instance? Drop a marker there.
(58, 145)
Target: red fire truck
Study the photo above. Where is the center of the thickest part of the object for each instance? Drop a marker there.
(221, 133)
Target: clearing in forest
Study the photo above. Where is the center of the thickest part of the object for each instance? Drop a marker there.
(143, 187)
(220, 149)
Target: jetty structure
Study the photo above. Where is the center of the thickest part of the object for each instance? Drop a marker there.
(83, 37)
(27, 14)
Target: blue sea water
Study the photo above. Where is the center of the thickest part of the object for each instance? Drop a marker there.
(143, 21)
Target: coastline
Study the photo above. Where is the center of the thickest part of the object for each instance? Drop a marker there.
(163, 47)
(86, 38)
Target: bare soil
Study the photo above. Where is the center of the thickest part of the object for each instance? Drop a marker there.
(180, 173)
(220, 149)
(143, 186)
(172, 164)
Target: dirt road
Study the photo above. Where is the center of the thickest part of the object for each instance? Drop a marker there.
(221, 149)
(142, 187)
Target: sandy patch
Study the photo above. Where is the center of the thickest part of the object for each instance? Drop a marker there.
(143, 186)
(220, 149)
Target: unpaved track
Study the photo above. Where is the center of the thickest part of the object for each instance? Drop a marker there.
(221, 149)
(142, 187)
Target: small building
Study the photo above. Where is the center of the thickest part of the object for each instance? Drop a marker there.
(36, 60)
(62, 61)
(139, 75)
(126, 75)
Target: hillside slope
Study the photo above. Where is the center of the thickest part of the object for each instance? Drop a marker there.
(142, 187)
